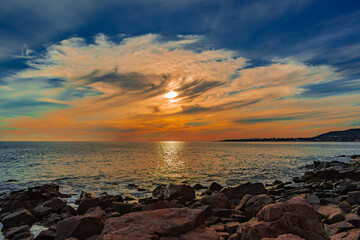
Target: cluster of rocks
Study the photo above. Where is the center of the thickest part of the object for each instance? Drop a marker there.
(314, 206)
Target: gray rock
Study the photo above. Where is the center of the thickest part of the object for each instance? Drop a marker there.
(345, 206)
(313, 199)
(353, 197)
(14, 231)
(87, 203)
(56, 204)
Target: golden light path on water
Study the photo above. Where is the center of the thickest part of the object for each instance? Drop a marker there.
(171, 165)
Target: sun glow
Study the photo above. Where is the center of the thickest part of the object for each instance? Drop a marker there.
(171, 94)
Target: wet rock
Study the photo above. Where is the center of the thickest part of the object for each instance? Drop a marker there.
(331, 213)
(47, 234)
(248, 188)
(298, 218)
(122, 207)
(87, 203)
(338, 227)
(354, 219)
(345, 206)
(56, 204)
(80, 227)
(182, 191)
(216, 201)
(254, 204)
(16, 230)
(152, 224)
(353, 197)
(158, 192)
(215, 187)
(18, 218)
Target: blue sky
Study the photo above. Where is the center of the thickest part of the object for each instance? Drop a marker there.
(323, 36)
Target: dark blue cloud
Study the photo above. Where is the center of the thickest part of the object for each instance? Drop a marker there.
(260, 120)
(71, 94)
(338, 87)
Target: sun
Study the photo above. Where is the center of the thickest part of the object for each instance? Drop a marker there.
(171, 94)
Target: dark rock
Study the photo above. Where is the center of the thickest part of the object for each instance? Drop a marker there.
(160, 205)
(16, 230)
(152, 224)
(158, 192)
(345, 206)
(122, 207)
(215, 187)
(198, 186)
(47, 234)
(18, 218)
(243, 201)
(87, 203)
(106, 201)
(298, 218)
(80, 227)
(313, 199)
(254, 204)
(353, 197)
(216, 201)
(231, 227)
(182, 191)
(23, 235)
(248, 188)
(349, 235)
(56, 204)
(41, 211)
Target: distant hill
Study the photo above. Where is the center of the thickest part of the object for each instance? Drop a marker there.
(340, 136)
(350, 135)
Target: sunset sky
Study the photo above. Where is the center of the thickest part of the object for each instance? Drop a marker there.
(140, 70)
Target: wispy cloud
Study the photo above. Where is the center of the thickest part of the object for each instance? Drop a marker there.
(113, 90)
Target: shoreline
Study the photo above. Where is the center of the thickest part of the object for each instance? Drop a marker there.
(329, 190)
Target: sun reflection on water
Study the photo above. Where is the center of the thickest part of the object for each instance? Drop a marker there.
(170, 165)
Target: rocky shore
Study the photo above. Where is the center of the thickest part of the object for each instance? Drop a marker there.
(323, 203)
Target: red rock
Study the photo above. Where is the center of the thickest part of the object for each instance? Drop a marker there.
(271, 212)
(350, 235)
(152, 224)
(200, 234)
(285, 237)
(216, 201)
(338, 227)
(331, 213)
(87, 203)
(298, 218)
(183, 191)
(354, 219)
(243, 201)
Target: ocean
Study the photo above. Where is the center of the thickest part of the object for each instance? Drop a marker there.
(115, 167)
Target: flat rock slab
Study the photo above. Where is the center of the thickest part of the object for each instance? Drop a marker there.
(153, 224)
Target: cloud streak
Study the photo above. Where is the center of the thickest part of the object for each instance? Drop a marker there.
(114, 90)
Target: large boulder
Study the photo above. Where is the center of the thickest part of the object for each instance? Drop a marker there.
(199, 234)
(255, 203)
(152, 224)
(181, 191)
(248, 188)
(216, 201)
(56, 204)
(87, 203)
(296, 216)
(80, 227)
(18, 218)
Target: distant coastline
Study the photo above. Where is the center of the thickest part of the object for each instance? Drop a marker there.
(349, 135)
